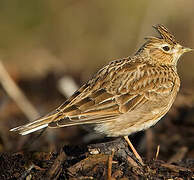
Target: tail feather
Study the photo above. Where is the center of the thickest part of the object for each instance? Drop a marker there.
(34, 126)
(27, 130)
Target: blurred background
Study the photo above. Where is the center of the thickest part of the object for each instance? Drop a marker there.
(43, 41)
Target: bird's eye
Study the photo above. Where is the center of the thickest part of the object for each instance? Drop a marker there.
(166, 48)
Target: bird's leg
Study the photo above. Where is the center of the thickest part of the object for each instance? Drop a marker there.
(134, 150)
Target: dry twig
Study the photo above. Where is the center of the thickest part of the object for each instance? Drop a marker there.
(110, 159)
(88, 163)
(174, 167)
(56, 168)
(16, 94)
(157, 152)
(179, 155)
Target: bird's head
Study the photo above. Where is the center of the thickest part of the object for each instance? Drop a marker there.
(164, 49)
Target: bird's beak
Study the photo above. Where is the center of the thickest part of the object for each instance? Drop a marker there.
(185, 49)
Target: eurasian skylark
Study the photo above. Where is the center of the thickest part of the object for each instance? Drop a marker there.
(126, 96)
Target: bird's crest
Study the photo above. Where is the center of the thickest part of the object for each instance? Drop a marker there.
(165, 34)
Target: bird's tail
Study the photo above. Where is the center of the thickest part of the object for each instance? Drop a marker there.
(35, 125)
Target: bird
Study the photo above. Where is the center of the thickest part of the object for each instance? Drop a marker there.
(125, 96)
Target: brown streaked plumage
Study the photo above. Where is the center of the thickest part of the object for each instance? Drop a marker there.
(125, 96)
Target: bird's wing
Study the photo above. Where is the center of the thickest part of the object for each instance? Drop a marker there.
(118, 88)
(97, 100)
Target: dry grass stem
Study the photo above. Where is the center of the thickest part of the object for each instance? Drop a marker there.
(157, 152)
(110, 161)
(180, 154)
(16, 94)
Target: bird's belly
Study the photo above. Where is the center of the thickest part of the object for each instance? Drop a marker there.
(117, 129)
(132, 122)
